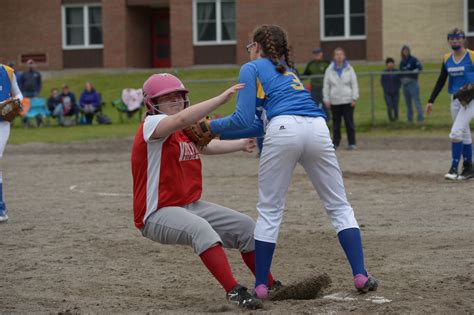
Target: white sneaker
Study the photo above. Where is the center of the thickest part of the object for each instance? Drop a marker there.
(452, 174)
(3, 216)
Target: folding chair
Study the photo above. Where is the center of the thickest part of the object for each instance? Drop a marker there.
(129, 104)
(38, 111)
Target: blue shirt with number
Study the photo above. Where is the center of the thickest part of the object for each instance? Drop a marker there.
(267, 94)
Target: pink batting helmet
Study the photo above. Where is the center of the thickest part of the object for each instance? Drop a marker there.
(158, 85)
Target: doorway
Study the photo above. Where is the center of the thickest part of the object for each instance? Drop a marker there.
(160, 36)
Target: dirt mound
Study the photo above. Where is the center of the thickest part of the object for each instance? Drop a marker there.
(306, 289)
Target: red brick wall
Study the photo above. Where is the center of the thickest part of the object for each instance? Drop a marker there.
(114, 13)
(181, 27)
(31, 27)
(300, 19)
(374, 30)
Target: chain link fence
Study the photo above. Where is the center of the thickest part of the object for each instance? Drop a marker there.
(371, 109)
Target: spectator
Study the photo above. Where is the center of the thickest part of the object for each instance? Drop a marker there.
(391, 89)
(68, 99)
(340, 94)
(11, 64)
(31, 80)
(55, 106)
(317, 66)
(411, 89)
(89, 102)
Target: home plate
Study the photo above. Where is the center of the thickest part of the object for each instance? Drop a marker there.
(340, 296)
(344, 296)
(378, 299)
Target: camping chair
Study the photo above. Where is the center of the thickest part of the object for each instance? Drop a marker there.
(130, 103)
(37, 110)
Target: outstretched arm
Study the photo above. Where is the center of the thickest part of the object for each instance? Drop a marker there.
(228, 146)
(192, 114)
(244, 114)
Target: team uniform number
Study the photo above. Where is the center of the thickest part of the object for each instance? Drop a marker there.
(297, 85)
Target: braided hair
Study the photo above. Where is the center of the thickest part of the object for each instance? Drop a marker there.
(274, 42)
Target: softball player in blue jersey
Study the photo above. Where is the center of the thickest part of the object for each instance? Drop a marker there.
(458, 66)
(8, 89)
(295, 132)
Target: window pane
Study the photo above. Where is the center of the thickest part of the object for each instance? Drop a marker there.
(75, 35)
(334, 26)
(333, 7)
(357, 6)
(206, 31)
(206, 12)
(95, 15)
(470, 4)
(74, 16)
(357, 25)
(228, 10)
(95, 35)
(470, 22)
(228, 30)
(206, 16)
(228, 20)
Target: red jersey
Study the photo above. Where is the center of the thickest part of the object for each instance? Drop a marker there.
(166, 172)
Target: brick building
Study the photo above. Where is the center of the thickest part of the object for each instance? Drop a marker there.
(62, 34)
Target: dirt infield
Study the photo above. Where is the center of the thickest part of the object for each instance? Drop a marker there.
(70, 244)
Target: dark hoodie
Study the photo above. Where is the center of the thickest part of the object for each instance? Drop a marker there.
(409, 64)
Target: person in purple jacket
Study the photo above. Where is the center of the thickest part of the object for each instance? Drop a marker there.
(90, 102)
(391, 89)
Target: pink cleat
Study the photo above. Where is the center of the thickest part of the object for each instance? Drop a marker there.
(261, 291)
(364, 284)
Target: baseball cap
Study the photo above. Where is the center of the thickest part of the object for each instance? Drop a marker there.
(317, 50)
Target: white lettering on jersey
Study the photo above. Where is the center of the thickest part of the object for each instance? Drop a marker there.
(188, 151)
(456, 71)
(1, 87)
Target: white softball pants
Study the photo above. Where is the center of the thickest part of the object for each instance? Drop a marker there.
(305, 140)
(4, 134)
(460, 131)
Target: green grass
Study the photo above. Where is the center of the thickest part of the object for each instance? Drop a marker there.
(110, 85)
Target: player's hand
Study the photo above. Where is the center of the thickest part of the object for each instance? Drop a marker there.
(428, 108)
(327, 104)
(227, 95)
(248, 145)
(354, 103)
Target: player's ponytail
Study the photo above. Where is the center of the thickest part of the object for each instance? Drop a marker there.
(274, 42)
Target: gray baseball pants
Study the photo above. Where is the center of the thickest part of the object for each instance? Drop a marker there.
(201, 225)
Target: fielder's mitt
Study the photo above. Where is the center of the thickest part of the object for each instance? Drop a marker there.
(10, 108)
(465, 94)
(200, 133)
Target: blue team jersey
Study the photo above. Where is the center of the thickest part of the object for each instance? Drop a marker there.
(460, 73)
(267, 94)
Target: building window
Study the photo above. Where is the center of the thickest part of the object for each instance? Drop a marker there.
(342, 19)
(82, 26)
(214, 22)
(469, 16)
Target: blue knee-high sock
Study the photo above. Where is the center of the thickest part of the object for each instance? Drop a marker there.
(263, 260)
(351, 242)
(467, 153)
(456, 150)
(2, 204)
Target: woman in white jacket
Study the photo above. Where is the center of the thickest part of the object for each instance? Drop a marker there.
(340, 94)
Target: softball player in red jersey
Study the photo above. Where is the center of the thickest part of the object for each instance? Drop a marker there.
(167, 185)
(296, 132)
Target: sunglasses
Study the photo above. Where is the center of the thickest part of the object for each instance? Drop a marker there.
(249, 46)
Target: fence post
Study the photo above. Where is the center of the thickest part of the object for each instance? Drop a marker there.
(372, 102)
